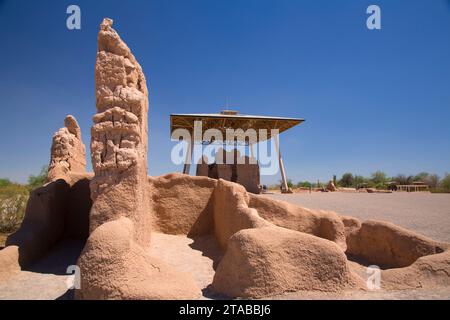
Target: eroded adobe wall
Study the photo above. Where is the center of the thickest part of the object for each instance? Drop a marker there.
(271, 260)
(231, 211)
(43, 224)
(426, 272)
(55, 211)
(181, 204)
(323, 224)
(388, 245)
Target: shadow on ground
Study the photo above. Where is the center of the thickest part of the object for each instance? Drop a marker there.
(47, 278)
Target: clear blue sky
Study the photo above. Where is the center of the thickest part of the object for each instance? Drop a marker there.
(373, 100)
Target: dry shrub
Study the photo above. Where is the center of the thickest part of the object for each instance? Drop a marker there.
(13, 202)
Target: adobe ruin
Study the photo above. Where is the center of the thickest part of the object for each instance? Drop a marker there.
(268, 247)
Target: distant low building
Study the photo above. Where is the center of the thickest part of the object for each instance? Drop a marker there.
(414, 187)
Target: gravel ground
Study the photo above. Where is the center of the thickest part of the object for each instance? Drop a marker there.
(426, 213)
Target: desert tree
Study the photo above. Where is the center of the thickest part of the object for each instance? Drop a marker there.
(347, 180)
(445, 182)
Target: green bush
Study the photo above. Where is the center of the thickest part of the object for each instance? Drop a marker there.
(5, 182)
(14, 198)
(39, 180)
(304, 184)
(290, 184)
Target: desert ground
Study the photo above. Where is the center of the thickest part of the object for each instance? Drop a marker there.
(426, 213)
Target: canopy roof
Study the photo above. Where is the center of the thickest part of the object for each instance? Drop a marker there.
(228, 119)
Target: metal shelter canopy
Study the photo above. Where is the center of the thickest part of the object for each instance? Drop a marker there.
(229, 119)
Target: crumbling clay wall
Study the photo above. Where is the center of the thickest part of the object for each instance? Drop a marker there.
(271, 260)
(181, 204)
(263, 259)
(55, 211)
(388, 245)
(409, 260)
(273, 247)
(426, 272)
(324, 224)
(260, 258)
(43, 224)
(232, 213)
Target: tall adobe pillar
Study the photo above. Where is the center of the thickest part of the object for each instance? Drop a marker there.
(119, 136)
